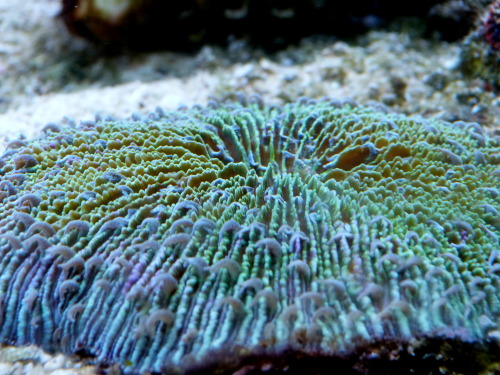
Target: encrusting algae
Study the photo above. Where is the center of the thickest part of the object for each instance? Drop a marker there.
(244, 237)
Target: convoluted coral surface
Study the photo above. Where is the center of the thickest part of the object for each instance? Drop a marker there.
(243, 236)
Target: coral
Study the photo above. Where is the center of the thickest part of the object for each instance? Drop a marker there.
(244, 237)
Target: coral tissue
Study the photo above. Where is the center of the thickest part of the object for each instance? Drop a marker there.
(249, 237)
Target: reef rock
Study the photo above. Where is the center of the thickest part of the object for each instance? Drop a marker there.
(186, 24)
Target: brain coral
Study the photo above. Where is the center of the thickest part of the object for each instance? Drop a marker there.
(244, 237)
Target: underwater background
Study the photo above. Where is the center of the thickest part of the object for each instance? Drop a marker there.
(67, 62)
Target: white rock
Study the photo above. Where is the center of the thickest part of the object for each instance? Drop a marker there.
(55, 363)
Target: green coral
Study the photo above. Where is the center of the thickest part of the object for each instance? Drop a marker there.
(250, 235)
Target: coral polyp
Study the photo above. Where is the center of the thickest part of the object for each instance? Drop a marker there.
(246, 237)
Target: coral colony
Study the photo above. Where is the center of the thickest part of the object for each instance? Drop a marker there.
(245, 237)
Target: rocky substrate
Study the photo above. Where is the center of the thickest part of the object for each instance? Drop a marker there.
(31, 360)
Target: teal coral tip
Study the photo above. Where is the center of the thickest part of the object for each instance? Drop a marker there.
(245, 237)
